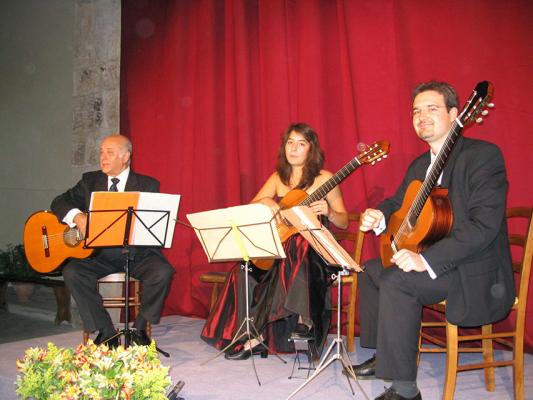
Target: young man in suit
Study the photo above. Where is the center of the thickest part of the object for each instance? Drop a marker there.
(470, 267)
(149, 265)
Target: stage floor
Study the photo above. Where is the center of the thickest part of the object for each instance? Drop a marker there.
(222, 379)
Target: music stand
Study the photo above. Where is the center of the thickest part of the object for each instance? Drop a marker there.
(130, 219)
(233, 234)
(321, 239)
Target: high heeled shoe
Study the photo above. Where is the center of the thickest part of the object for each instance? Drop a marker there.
(244, 354)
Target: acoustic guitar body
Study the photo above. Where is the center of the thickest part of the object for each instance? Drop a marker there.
(285, 231)
(48, 243)
(433, 223)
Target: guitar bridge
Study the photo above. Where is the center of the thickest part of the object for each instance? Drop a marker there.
(46, 244)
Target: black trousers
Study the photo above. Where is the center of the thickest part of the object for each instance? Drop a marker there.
(390, 310)
(81, 278)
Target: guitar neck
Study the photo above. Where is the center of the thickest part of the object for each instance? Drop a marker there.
(434, 173)
(327, 186)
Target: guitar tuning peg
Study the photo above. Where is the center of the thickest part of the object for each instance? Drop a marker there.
(479, 120)
(485, 112)
(490, 105)
(373, 163)
(385, 155)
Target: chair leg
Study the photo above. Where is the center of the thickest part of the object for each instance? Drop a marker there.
(419, 347)
(488, 356)
(350, 345)
(214, 296)
(452, 356)
(518, 368)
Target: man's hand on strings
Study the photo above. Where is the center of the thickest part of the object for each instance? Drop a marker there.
(408, 260)
(81, 223)
(370, 219)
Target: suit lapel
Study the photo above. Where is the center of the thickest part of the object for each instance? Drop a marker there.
(450, 164)
(101, 183)
(132, 184)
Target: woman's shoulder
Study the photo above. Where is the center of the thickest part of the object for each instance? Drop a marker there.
(324, 175)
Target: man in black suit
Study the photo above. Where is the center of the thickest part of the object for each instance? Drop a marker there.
(149, 265)
(470, 268)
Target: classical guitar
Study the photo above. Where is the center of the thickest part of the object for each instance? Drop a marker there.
(425, 215)
(298, 197)
(47, 242)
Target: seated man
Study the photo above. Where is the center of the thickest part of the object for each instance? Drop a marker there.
(149, 265)
(470, 267)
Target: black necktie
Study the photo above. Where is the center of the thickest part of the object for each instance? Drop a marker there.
(114, 187)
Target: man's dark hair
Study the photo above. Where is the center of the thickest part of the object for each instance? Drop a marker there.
(450, 96)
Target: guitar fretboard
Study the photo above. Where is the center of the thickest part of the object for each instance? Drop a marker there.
(433, 174)
(327, 186)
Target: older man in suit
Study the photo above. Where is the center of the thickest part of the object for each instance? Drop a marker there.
(149, 265)
(470, 268)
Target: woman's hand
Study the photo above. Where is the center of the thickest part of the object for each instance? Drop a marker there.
(320, 207)
(270, 203)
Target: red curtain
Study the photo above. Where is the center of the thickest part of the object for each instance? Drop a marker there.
(208, 86)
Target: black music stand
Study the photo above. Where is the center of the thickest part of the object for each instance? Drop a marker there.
(126, 228)
(232, 234)
(324, 243)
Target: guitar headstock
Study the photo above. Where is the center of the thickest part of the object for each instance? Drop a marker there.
(477, 103)
(374, 152)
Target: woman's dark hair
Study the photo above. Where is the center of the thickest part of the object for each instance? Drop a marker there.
(315, 157)
(450, 96)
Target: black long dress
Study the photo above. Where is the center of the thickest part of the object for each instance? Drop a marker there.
(296, 285)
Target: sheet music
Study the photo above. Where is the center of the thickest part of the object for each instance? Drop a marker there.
(254, 222)
(153, 219)
(152, 222)
(319, 237)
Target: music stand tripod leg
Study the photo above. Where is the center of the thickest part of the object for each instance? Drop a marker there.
(341, 354)
(246, 327)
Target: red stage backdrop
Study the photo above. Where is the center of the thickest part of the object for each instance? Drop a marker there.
(208, 86)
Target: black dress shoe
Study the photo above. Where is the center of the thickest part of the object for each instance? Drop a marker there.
(302, 331)
(366, 370)
(141, 338)
(112, 341)
(244, 354)
(391, 394)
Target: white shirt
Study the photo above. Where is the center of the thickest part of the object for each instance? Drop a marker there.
(121, 187)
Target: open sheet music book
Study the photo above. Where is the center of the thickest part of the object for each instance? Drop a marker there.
(152, 222)
(238, 233)
(319, 237)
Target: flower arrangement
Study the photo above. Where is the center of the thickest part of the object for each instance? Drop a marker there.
(92, 372)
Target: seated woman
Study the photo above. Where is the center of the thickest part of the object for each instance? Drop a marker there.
(292, 297)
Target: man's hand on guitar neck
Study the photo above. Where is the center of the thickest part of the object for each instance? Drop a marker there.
(407, 261)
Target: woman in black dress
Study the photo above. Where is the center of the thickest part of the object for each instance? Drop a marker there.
(292, 297)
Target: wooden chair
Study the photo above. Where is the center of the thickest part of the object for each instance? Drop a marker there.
(357, 237)
(216, 278)
(513, 338)
(120, 301)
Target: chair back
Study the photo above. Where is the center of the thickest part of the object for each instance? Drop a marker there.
(354, 235)
(522, 256)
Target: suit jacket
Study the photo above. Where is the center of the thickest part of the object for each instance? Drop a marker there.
(80, 195)
(476, 252)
